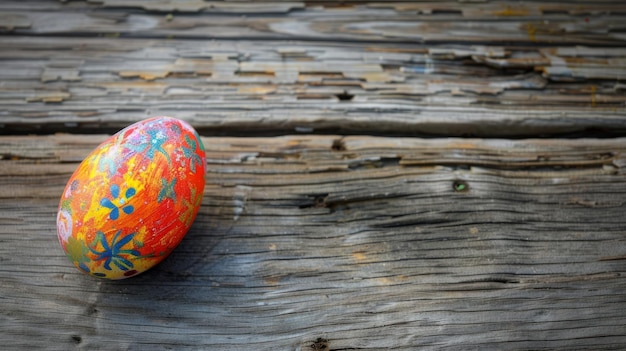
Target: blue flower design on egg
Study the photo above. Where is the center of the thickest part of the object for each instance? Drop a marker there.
(113, 252)
(150, 144)
(157, 139)
(191, 154)
(115, 209)
(167, 190)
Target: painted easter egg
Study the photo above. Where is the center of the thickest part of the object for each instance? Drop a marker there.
(133, 198)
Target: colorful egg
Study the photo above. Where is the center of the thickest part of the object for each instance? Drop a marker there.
(133, 199)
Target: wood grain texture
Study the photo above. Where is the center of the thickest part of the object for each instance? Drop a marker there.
(350, 243)
(349, 203)
(486, 69)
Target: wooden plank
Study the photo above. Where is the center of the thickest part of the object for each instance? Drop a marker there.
(486, 69)
(368, 243)
(243, 87)
(502, 21)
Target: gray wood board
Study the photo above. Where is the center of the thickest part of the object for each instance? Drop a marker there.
(339, 243)
(550, 22)
(486, 69)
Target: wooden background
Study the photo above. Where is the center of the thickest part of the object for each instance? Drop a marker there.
(381, 175)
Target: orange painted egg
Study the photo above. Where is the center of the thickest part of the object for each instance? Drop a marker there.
(133, 199)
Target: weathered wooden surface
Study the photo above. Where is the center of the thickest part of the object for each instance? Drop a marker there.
(430, 68)
(313, 235)
(366, 242)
